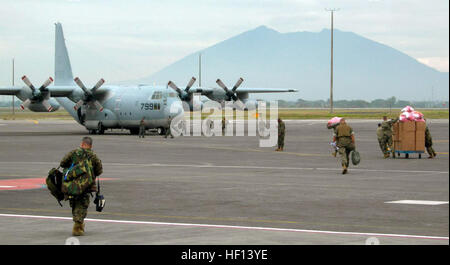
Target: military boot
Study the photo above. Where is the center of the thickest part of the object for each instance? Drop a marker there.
(386, 155)
(77, 229)
(344, 169)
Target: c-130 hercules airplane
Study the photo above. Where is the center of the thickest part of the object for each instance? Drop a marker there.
(112, 107)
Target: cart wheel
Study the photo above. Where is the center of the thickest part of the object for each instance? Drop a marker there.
(407, 155)
(420, 156)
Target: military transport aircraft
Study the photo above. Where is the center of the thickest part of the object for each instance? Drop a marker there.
(107, 106)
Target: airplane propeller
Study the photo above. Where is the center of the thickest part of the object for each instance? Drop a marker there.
(89, 95)
(184, 95)
(231, 94)
(37, 95)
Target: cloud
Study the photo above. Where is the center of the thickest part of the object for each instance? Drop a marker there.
(438, 63)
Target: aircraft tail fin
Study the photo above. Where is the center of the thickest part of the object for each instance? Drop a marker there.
(63, 70)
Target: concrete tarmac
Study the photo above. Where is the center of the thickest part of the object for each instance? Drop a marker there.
(226, 190)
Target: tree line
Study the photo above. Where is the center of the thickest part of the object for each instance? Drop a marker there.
(391, 102)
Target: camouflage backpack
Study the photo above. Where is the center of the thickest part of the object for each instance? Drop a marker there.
(79, 176)
(54, 184)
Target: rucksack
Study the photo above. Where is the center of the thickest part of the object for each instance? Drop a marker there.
(54, 184)
(79, 176)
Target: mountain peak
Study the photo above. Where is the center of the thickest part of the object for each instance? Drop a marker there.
(267, 58)
(263, 28)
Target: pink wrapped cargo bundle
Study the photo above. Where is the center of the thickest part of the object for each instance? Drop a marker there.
(333, 122)
(408, 109)
(417, 115)
(409, 114)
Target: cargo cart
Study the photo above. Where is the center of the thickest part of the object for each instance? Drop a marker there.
(409, 138)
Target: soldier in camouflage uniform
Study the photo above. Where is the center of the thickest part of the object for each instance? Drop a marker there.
(345, 140)
(142, 128)
(168, 130)
(429, 143)
(224, 125)
(281, 133)
(386, 141)
(80, 204)
(334, 126)
(380, 137)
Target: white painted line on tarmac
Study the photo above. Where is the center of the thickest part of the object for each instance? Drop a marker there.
(247, 167)
(418, 202)
(231, 227)
(7, 187)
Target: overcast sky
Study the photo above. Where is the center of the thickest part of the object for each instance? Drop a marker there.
(124, 40)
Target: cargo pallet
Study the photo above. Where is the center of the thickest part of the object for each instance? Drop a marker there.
(407, 153)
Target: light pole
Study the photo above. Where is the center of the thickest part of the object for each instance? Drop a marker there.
(13, 111)
(200, 69)
(331, 73)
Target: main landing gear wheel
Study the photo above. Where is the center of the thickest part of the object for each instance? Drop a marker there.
(101, 128)
(92, 131)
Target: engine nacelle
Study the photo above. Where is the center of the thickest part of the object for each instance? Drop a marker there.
(39, 107)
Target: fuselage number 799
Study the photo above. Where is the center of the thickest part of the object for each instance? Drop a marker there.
(150, 106)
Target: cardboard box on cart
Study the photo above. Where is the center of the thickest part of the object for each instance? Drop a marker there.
(420, 136)
(409, 136)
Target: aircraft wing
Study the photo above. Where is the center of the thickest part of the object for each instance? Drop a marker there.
(265, 90)
(58, 91)
(205, 91)
(209, 90)
(55, 91)
(9, 90)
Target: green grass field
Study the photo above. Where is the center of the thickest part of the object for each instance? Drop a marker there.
(288, 114)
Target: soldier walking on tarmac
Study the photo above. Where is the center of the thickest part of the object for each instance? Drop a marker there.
(281, 133)
(429, 143)
(345, 140)
(168, 130)
(386, 141)
(224, 125)
(142, 128)
(80, 203)
(380, 137)
(334, 126)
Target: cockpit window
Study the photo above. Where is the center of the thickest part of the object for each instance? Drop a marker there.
(157, 95)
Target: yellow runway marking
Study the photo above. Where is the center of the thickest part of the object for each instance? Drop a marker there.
(34, 121)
